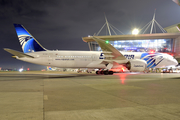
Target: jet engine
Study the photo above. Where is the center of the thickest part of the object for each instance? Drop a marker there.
(136, 65)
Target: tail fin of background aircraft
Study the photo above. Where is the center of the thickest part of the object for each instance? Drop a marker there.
(49, 68)
(27, 41)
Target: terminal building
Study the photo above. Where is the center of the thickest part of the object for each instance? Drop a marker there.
(166, 42)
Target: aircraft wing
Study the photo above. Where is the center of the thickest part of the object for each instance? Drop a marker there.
(112, 56)
(110, 53)
(17, 53)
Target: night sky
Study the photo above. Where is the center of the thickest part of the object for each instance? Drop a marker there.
(61, 24)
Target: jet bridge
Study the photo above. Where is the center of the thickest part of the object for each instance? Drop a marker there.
(158, 42)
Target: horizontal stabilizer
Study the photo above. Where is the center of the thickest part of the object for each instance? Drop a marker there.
(17, 53)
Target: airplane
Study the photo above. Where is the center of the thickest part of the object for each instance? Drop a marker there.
(49, 68)
(105, 60)
(177, 2)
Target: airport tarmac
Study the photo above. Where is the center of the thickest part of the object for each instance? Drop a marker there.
(72, 96)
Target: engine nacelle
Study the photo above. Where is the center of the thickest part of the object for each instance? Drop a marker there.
(136, 65)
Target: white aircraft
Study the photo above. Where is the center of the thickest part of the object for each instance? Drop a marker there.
(177, 2)
(109, 58)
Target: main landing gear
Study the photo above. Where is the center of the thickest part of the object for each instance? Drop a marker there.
(104, 72)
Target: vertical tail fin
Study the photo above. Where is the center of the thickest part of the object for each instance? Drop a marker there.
(27, 41)
(49, 68)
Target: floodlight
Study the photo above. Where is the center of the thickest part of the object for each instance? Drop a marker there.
(135, 31)
(21, 69)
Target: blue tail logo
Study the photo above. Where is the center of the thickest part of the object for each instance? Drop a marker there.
(27, 41)
(23, 39)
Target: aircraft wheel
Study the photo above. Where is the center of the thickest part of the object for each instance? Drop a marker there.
(98, 72)
(106, 72)
(110, 72)
(101, 72)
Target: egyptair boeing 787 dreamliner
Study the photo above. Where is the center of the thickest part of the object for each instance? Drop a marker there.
(109, 58)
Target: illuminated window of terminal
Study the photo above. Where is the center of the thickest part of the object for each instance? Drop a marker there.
(158, 45)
